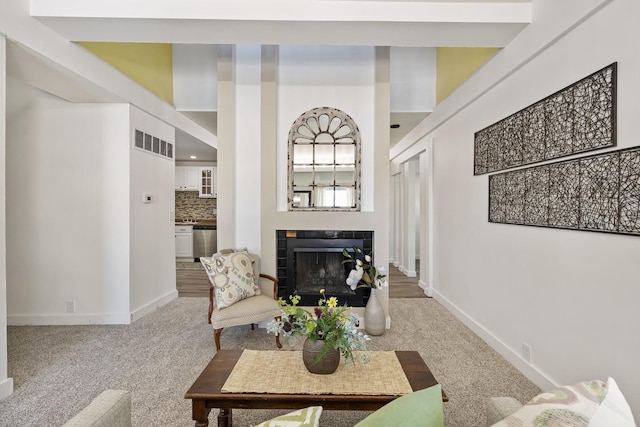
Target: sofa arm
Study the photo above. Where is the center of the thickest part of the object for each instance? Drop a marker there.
(111, 408)
(499, 408)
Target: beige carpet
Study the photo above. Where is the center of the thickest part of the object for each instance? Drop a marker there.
(57, 370)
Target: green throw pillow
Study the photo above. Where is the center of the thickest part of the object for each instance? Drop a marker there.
(421, 408)
(307, 417)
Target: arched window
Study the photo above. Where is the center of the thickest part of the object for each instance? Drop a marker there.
(324, 161)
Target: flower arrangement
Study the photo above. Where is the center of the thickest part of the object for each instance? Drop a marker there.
(364, 274)
(328, 322)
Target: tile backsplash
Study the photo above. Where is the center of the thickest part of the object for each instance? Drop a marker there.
(190, 206)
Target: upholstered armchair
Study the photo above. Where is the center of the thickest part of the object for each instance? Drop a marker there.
(239, 294)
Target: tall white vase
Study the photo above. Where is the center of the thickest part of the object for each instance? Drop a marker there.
(374, 318)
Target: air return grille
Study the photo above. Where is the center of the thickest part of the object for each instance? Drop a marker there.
(152, 144)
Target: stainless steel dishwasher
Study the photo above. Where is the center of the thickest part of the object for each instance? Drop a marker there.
(205, 240)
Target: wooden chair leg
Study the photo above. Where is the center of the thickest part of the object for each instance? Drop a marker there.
(216, 337)
(210, 311)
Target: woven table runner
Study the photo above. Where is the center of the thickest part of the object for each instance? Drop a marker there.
(283, 372)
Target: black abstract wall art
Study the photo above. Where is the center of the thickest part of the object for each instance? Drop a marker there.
(596, 193)
(578, 118)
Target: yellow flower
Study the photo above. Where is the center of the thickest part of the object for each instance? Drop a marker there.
(333, 302)
(322, 291)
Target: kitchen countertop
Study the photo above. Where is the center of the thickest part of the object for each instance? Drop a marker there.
(210, 221)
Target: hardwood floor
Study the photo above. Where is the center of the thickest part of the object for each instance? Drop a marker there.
(192, 281)
(401, 286)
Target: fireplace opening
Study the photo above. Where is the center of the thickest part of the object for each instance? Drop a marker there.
(313, 260)
(319, 268)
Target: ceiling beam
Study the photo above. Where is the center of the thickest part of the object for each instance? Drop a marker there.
(327, 22)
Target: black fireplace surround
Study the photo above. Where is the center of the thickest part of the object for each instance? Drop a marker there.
(310, 260)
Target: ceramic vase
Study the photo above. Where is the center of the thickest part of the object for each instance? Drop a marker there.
(374, 318)
(327, 365)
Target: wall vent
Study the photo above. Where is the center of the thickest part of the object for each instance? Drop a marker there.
(144, 141)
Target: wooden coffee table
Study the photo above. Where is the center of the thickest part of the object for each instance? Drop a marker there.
(206, 391)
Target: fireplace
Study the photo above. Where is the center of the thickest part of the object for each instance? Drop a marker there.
(310, 260)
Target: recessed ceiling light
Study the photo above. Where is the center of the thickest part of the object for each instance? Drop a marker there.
(192, 157)
(395, 126)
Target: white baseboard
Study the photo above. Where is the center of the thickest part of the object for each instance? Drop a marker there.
(91, 318)
(427, 291)
(154, 305)
(70, 319)
(6, 388)
(408, 273)
(396, 264)
(535, 375)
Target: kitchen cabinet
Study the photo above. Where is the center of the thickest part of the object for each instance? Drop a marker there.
(207, 181)
(184, 241)
(187, 178)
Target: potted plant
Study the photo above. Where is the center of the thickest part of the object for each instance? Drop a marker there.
(330, 332)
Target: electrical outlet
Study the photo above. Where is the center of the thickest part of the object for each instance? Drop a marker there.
(71, 306)
(526, 352)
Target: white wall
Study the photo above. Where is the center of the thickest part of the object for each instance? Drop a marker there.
(152, 261)
(326, 76)
(571, 295)
(6, 384)
(67, 209)
(195, 77)
(413, 79)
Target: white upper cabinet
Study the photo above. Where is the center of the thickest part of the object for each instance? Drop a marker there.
(187, 178)
(207, 182)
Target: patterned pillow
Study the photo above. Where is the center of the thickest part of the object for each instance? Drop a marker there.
(307, 417)
(571, 405)
(231, 275)
(614, 409)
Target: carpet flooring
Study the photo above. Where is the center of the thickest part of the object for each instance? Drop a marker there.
(57, 370)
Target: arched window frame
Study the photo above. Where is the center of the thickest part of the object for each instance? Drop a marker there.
(325, 186)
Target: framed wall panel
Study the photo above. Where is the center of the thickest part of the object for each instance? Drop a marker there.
(594, 193)
(576, 119)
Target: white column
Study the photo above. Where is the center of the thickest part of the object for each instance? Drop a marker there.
(392, 221)
(248, 147)
(401, 220)
(6, 384)
(382, 118)
(410, 169)
(269, 160)
(397, 213)
(426, 237)
(226, 148)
